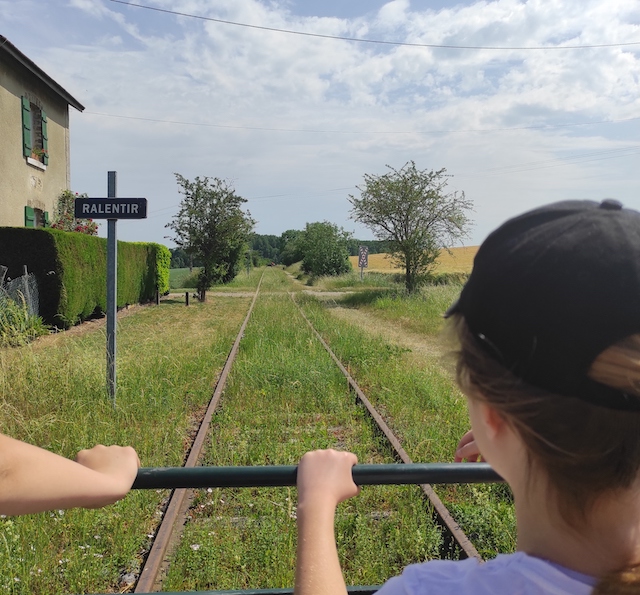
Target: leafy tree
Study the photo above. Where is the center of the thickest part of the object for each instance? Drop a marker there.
(65, 215)
(266, 246)
(324, 247)
(211, 226)
(290, 245)
(411, 210)
(375, 246)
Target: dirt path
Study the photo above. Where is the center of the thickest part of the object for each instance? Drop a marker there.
(421, 346)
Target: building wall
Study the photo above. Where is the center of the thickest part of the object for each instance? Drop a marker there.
(23, 184)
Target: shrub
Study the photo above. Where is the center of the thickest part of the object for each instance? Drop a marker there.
(71, 269)
(17, 326)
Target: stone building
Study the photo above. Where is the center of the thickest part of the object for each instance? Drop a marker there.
(34, 140)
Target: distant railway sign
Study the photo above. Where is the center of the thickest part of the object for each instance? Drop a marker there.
(363, 257)
(110, 208)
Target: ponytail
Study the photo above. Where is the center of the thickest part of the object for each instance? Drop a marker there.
(621, 582)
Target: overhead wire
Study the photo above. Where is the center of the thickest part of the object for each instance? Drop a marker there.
(318, 131)
(375, 41)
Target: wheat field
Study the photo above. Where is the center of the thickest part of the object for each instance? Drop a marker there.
(459, 261)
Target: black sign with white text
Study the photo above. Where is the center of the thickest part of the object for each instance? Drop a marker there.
(110, 208)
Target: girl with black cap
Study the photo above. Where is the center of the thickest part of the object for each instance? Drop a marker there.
(548, 327)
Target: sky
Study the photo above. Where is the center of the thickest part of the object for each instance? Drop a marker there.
(520, 107)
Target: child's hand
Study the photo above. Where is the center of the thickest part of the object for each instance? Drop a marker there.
(118, 463)
(324, 477)
(468, 449)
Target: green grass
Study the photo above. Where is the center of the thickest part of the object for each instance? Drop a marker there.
(181, 279)
(421, 312)
(17, 326)
(286, 397)
(423, 406)
(352, 281)
(52, 394)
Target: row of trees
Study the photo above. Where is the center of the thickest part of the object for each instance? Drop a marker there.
(408, 210)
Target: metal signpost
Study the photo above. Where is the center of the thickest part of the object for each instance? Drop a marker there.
(363, 259)
(112, 209)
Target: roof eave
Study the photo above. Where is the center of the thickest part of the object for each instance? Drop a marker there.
(8, 48)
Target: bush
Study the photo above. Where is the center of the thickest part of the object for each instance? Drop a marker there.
(325, 250)
(71, 269)
(17, 326)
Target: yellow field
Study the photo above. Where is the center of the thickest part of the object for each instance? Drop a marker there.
(459, 261)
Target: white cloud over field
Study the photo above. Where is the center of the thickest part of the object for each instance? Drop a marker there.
(295, 121)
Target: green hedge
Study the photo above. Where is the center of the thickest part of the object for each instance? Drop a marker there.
(71, 269)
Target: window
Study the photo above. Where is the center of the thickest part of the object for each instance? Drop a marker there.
(34, 217)
(35, 140)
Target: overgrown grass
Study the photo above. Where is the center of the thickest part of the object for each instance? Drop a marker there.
(287, 397)
(353, 281)
(420, 312)
(182, 280)
(423, 406)
(53, 395)
(17, 326)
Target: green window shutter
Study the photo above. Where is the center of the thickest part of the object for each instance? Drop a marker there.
(45, 139)
(29, 217)
(26, 127)
(47, 223)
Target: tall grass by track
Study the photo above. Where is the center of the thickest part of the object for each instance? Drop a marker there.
(423, 406)
(182, 280)
(53, 395)
(420, 312)
(286, 397)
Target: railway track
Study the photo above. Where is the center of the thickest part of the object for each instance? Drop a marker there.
(168, 534)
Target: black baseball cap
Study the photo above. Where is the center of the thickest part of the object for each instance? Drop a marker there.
(552, 289)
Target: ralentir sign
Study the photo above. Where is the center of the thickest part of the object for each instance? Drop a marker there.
(110, 208)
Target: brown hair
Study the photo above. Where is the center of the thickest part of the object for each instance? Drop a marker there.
(597, 453)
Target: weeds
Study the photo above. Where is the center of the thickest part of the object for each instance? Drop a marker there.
(285, 397)
(17, 325)
(52, 394)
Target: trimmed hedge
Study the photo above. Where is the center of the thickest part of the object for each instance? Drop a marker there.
(71, 269)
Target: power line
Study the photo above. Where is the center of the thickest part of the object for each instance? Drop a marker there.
(375, 41)
(318, 131)
(552, 163)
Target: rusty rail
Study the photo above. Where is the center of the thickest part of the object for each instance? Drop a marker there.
(441, 510)
(184, 479)
(180, 501)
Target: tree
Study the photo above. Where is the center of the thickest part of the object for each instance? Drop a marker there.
(411, 210)
(324, 249)
(290, 245)
(211, 226)
(65, 218)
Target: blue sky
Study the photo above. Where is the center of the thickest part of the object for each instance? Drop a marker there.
(294, 122)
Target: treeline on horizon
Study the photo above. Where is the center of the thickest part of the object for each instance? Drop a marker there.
(267, 249)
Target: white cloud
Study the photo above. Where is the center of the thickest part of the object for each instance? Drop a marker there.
(382, 102)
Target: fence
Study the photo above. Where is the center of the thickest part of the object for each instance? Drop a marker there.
(23, 289)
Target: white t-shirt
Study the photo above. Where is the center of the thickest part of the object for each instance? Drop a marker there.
(508, 574)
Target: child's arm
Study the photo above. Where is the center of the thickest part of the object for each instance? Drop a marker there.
(324, 480)
(34, 480)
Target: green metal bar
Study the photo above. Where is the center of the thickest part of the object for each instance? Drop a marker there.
(273, 476)
(360, 590)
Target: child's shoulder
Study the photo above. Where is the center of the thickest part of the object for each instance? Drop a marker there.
(512, 573)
